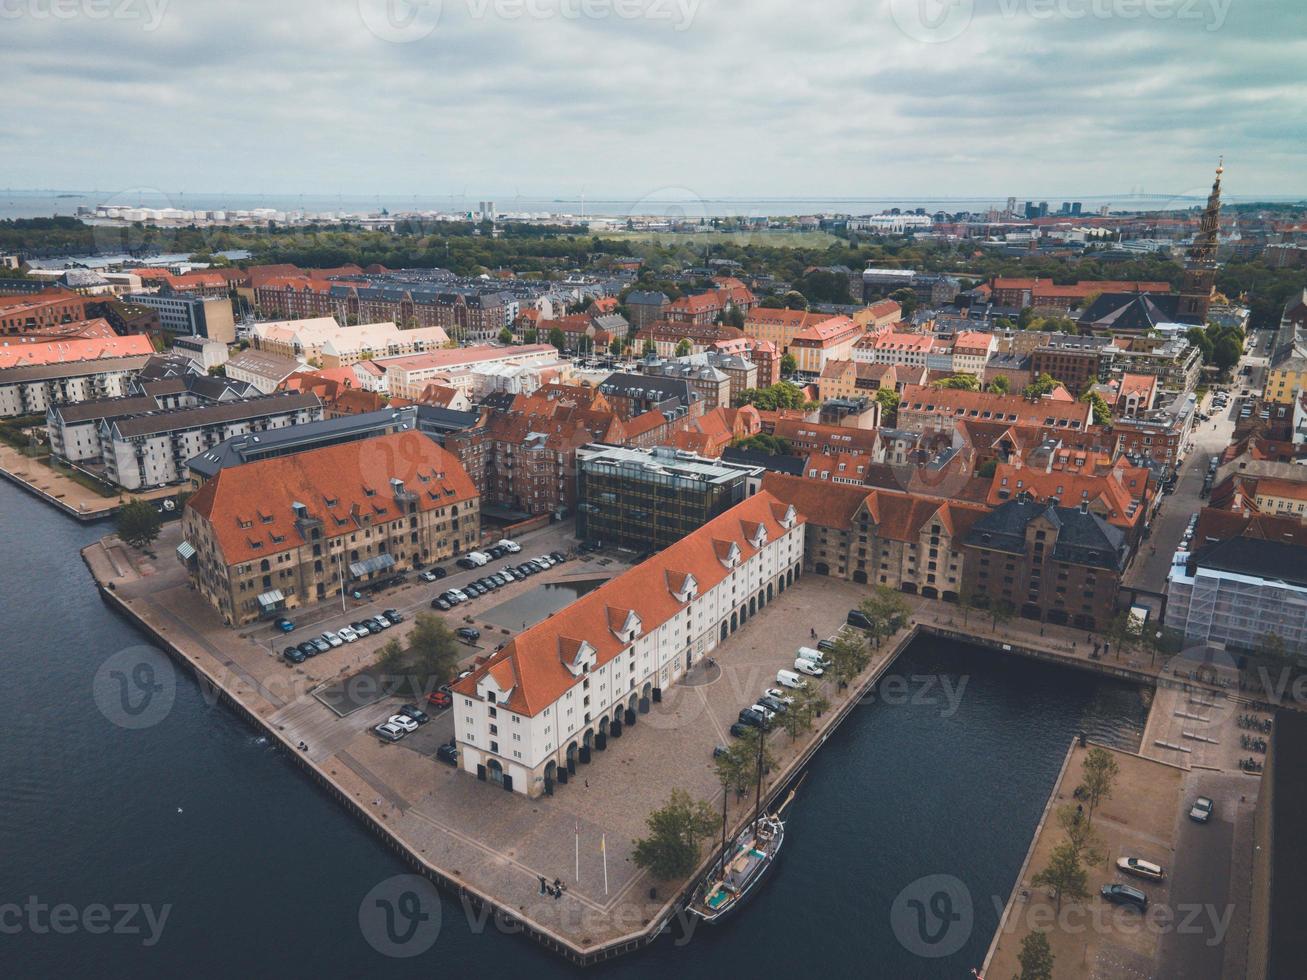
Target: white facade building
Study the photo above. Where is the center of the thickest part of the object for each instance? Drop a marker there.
(539, 707)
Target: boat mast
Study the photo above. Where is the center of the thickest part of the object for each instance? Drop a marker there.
(757, 803)
(725, 794)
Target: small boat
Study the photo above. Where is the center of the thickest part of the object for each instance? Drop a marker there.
(743, 869)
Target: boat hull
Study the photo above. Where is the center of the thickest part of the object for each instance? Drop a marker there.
(748, 888)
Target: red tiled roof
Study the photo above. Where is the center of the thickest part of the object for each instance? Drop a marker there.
(532, 664)
(333, 483)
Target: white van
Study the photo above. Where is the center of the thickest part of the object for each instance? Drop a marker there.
(512, 547)
(478, 557)
(812, 656)
(808, 667)
(788, 678)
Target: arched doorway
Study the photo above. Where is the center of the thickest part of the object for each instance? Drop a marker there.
(725, 632)
(646, 696)
(571, 757)
(929, 591)
(632, 704)
(587, 744)
(821, 568)
(769, 592)
(735, 622)
(910, 588)
(860, 577)
(495, 772)
(551, 773)
(753, 605)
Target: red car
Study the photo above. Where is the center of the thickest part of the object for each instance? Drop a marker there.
(439, 699)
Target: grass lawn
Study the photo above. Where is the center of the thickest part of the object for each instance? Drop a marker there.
(773, 239)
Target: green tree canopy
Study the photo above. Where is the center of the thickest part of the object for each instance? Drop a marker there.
(783, 394)
(1098, 404)
(138, 524)
(1041, 386)
(1065, 873)
(1035, 957)
(683, 347)
(676, 833)
(762, 442)
(429, 660)
(557, 337)
(960, 382)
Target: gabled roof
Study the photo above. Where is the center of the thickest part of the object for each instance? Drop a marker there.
(536, 654)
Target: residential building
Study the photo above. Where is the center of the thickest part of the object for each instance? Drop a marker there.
(187, 315)
(272, 535)
(1045, 561)
(631, 395)
(264, 370)
(152, 449)
(204, 352)
(971, 352)
(924, 408)
(855, 379)
(269, 443)
(648, 499)
(711, 387)
(30, 389)
(1077, 362)
(557, 691)
(645, 307)
(20, 353)
(408, 376)
(779, 327)
(903, 541)
(30, 313)
(910, 350)
(1241, 592)
(666, 336)
(830, 340)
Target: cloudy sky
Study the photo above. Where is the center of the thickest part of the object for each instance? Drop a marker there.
(630, 98)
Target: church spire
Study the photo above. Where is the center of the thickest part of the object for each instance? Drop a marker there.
(1200, 267)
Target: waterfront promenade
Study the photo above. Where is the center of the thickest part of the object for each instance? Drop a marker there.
(473, 837)
(62, 491)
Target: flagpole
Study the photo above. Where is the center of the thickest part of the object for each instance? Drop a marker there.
(603, 847)
(578, 850)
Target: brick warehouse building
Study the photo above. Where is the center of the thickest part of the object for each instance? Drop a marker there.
(274, 534)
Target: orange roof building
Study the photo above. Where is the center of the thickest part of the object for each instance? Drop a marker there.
(270, 535)
(575, 678)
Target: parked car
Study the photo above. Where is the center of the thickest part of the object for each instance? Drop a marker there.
(285, 625)
(389, 732)
(776, 694)
(381, 623)
(309, 648)
(558, 557)
(441, 603)
(321, 645)
(448, 753)
(719, 751)
(462, 674)
(857, 619)
(1119, 894)
(825, 646)
(403, 721)
(478, 558)
(773, 705)
(347, 634)
(465, 562)
(1140, 868)
(788, 678)
(468, 634)
(293, 655)
(361, 628)
(807, 667)
(752, 718)
(767, 713)
(512, 547)
(740, 729)
(1201, 811)
(333, 639)
(416, 713)
(394, 615)
(439, 699)
(428, 575)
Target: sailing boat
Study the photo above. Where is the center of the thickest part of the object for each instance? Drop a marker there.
(744, 863)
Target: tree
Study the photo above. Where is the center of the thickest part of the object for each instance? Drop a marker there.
(987, 469)
(676, 833)
(530, 336)
(1080, 834)
(966, 602)
(733, 317)
(557, 337)
(1100, 772)
(738, 767)
(1226, 352)
(1001, 612)
(889, 400)
(848, 658)
(886, 609)
(771, 445)
(959, 382)
(1000, 385)
(138, 524)
(615, 347)
(809, 703)
(1042, 385)
(649, 347)
(1102, 414)
(788, 364)
(1036, 957)
(773, 397)
(683, 347)
(1065, 874)
(430, 659)
(795, 300)
(505, 336)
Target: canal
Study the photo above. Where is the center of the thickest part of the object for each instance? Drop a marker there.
(261, 874)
